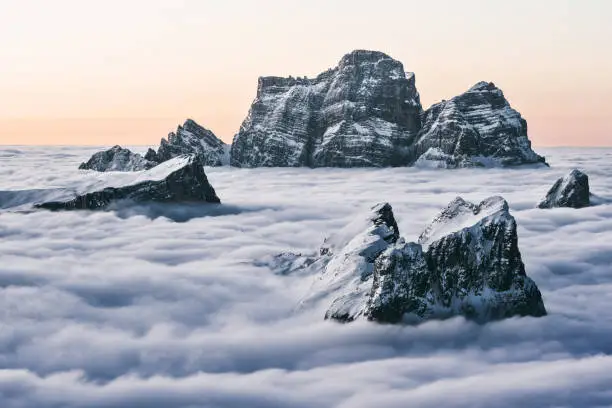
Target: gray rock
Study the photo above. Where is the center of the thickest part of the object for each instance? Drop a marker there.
(151, 155)
(401, 284)
(181, 179)
(345, 262)
(476, 128)
(117, 159)
(475, 265)
(191, 138)
(466, 263)
(364, 112)
(571, 191)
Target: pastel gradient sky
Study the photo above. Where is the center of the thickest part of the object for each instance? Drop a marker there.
(127, 72)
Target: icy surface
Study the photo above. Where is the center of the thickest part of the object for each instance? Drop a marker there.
(116, 309)
(458, 215)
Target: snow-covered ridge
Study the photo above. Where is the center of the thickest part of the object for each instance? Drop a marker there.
(357, 114)
(177, 180)
(460, 214)
(365, 112)
(117, 159)
(190, 138)
(476, 128)
(466, 262)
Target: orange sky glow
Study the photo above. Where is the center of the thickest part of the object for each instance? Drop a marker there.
(128, 72)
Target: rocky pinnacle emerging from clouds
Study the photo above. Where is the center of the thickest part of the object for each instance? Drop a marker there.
(465, 263)
(366, 112)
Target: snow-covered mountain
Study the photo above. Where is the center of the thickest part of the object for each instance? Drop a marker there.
(364, 112)
(191, 138)
(117, 159)
(180, 179)
(476, 128)
(466, 262)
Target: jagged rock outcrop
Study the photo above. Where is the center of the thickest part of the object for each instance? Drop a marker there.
(476, 128)
(191, 138)
(117, 159)
(349, 257)
(572, 190)
(364, 112)
(181, 179)
(467, 262)
(476, 267)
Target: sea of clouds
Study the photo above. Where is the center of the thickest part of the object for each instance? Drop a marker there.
(170, 306)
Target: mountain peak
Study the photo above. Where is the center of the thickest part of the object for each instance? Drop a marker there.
(359, 56)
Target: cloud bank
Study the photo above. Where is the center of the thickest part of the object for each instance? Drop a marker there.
(131, 308)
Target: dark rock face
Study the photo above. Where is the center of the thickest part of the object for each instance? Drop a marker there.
(476, 128)
(191, 138)
(117, 159)
(364, 112)
(467, 262)
(151, 155)
(400, 284)
(358, 246)
(476, 266)
(569, 191)
(181, 179)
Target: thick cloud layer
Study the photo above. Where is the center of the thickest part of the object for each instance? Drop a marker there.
(131, 308)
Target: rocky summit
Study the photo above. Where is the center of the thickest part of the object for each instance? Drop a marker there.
(476, 128)
(466, 263)
(181, 179)
(191, 138)
(117, 159)
(364, 112)
(572, 191)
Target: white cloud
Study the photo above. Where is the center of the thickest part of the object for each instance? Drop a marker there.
(132, 309)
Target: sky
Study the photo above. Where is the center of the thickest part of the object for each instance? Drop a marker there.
(128, 72)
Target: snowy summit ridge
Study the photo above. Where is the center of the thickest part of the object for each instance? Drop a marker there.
(117, 158)
(180, 179)
(361, 113)
(365, 112)
(466, 262)
(476, 128)
(190, 138)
